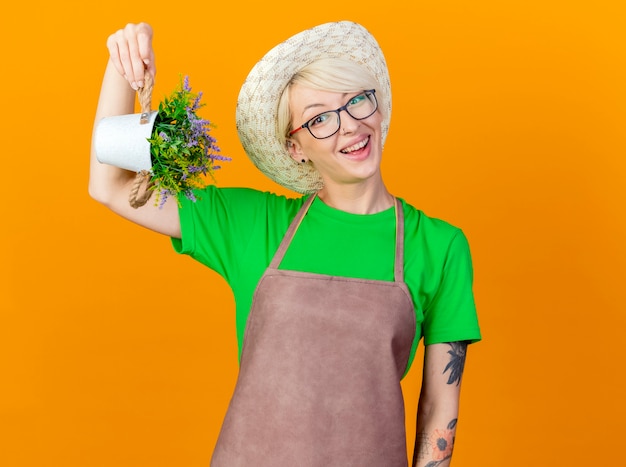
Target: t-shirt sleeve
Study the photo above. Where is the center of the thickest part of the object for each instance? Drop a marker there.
(451, 315)
(215, 230)
(232, 230)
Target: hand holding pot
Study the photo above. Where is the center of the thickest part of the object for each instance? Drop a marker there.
(131, 52)
(131, 58)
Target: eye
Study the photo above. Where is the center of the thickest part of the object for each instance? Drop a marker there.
(356, 100)
(320, 120)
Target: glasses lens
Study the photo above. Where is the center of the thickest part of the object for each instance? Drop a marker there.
(324, 125)
(362, 106)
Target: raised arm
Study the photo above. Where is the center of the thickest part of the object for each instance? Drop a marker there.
(438, 408)
(131, 56)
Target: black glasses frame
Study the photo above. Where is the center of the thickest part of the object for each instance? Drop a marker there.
(371, 92)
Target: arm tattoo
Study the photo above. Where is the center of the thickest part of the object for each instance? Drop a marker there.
(422, 447)
(437, 446)
(457, 353)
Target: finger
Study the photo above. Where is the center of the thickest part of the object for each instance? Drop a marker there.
(133, 62)
(144, 42)
(114, 53)
(121, 53)
(134, 65)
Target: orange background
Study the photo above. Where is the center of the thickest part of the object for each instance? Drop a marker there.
(508, 121)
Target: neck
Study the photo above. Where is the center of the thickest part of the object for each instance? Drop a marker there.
(357, 198)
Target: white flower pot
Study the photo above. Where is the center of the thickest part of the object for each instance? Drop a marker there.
(122, 141)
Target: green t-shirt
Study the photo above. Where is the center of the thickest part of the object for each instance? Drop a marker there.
(236, 231)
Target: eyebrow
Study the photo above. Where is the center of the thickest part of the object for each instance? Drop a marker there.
(311, 106)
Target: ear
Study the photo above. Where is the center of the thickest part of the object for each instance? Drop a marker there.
(295, 151)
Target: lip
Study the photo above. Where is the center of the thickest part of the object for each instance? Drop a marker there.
(358, 154)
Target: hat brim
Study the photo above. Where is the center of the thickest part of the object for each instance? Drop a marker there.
(257, 105)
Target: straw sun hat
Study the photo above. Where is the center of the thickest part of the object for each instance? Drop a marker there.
(257, 106)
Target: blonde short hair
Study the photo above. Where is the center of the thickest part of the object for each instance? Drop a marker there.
(328, 74)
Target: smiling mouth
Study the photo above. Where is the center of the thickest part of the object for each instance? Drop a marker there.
(356, 147)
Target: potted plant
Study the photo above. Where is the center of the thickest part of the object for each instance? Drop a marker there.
(171, 148)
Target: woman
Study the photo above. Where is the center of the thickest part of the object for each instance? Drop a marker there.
(334, 288)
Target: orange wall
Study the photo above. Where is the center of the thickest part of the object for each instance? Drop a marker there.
(508, 121)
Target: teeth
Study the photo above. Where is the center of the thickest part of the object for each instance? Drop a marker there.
(356, 147)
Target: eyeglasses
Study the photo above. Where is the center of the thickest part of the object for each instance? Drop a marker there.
(327, 123)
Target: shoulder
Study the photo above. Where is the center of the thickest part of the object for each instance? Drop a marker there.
(226, 221)
(430, 231)
(235, 202)
(433, 248)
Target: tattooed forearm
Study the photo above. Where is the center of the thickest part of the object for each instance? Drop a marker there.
(457, 361)
(435, 448)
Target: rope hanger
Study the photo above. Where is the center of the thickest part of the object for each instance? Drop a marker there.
(137, 199)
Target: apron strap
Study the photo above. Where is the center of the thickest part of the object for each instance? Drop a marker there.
(284, 244)
(398, 272)
(398, 261)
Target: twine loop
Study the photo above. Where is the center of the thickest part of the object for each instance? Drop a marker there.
(137, 199)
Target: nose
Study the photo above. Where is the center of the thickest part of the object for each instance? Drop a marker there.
(347, 123)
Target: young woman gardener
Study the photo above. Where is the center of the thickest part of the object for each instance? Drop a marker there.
(334, 288)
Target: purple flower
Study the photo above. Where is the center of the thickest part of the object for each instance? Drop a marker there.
(184, 151)
(163, 195)
(196, 101)
(190, 195)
